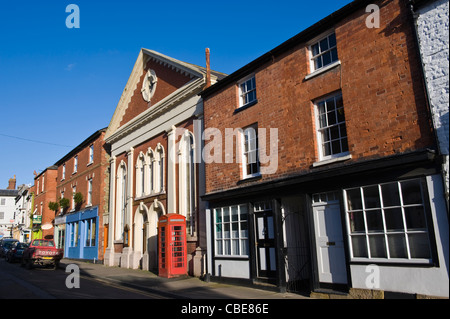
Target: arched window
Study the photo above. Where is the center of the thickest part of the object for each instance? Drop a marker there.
(140, 175)
(121, 199)
(150, 172)
(187, 179)
(159, 185)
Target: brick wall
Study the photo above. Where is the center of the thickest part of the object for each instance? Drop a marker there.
(44, 197)
(169, 81)
(379, 78)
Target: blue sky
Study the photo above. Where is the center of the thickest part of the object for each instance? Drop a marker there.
(60, 85)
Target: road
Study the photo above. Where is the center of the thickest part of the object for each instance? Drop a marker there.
(16, 282)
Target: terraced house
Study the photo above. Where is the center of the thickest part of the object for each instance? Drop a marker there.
(356, 202)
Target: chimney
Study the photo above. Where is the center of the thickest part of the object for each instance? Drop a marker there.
(12, 183)
(208, 70)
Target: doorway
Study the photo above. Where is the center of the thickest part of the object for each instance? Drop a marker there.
(265, 241)
(329, 240)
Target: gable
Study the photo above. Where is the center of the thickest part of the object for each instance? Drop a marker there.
(166, 81)
(156, 82)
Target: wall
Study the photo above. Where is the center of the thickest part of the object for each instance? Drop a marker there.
(433, 33)
(379, 77)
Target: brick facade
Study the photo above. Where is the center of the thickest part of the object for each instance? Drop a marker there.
(45, 192)
(384, 103)
(86, 170)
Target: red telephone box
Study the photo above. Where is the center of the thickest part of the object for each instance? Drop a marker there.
(172, 245)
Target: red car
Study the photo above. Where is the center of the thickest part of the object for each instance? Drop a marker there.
(42, 252)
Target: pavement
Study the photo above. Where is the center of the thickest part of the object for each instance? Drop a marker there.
(184, 287)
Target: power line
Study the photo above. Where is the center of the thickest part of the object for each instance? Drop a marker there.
(34, 141)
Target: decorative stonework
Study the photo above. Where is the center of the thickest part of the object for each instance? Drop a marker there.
(149, 85)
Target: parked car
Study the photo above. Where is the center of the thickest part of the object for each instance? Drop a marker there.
(16, 252)
(42, 252)
(5, 245)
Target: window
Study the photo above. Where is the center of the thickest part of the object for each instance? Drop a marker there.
(187, 179)
(388, 222)
(323, 52)
(74, 190)
(159, 169)
(89, 197)
(90, 232)
(2, 215)
(121, 200)
(91, 154)
(247, 91)
(331, 132)
(3, 201)
(231, 231)
(151, 171)
(250, 159)
(140, 175)
(73, 234)
(75, 164)
(64, 171)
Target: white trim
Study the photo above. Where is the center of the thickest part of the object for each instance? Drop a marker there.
(322, 70)
(341, 158)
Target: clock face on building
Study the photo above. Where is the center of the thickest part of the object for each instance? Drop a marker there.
(149, 85)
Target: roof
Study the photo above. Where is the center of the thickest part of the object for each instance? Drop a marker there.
(83, 144)
(302, 37)
(9, 192)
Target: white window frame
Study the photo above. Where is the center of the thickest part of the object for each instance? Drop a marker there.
(74, 190)
(75, 164)
(223, 242)
(187, 179)
(64, 172)
(89, 197)
(312, 57)
(385, 232)
(245, 154)
(140, 175)
(91, 154)
(319, 130)
(244, 94)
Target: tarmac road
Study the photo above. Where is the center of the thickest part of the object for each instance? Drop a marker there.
(16, 282)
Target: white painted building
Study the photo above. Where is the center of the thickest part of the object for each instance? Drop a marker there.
(432, 25)
(7, 208)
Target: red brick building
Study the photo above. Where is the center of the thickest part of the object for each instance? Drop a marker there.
(155, 167)
(352, 179)
(79, 226)
(45, 192)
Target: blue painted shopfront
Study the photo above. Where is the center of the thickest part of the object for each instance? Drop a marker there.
(82, 234)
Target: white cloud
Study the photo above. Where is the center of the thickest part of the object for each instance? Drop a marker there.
(70, 67)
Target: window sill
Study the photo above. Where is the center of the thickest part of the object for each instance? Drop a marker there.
(332, 160)
(90, 163)
(322, 70)
(249, 178)
(244, 107)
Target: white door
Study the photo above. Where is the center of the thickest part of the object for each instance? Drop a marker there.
(329, 243)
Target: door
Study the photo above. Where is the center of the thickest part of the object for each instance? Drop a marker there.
(329, 243)
(265, 245)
